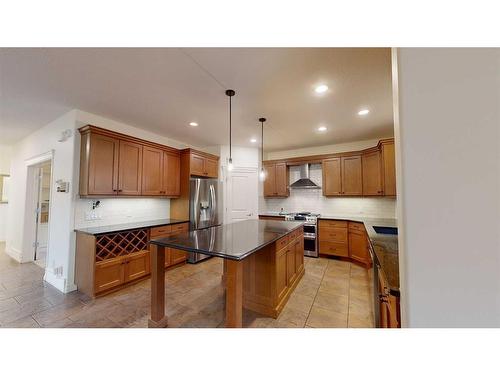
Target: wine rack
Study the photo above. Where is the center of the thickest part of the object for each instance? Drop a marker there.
(112, 245)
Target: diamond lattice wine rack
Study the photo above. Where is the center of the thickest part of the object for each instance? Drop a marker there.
(113, 245)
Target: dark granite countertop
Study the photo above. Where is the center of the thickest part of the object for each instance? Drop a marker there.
(233, 241)
(129, 226)
(384, 246)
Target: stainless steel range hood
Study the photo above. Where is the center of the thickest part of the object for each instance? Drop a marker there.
(304, 182)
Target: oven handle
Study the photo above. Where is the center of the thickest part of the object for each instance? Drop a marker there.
(311, 236)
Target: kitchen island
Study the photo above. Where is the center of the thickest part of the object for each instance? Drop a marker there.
(263, 263)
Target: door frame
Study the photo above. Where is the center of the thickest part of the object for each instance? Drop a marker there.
(32, 191)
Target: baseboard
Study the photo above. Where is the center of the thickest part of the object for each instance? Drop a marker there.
(14, 253)
(57, 282)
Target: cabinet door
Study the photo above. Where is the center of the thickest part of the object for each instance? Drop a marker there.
(137, 266)
(177, 256)
(109, 274)
(389, 167)
(290, 264)
(171, 174)
(281, 181)
(281, 273)
(270, 181)
(352, 175)
(358, 248)
(211, 168)
(152, 164)
(130, 168)
(103, 165)
(332, 178)
(299, 254)
(197, 165)
(372, 173)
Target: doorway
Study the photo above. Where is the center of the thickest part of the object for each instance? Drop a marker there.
(42, 175)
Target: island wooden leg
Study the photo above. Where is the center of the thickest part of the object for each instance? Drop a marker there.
(158, 318)
(234, 293)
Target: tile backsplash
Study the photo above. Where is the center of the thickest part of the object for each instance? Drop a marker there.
(121, 210)
(313, 200)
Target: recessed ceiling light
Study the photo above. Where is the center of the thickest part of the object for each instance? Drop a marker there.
(193, 123)
(322, 129)
(363, 112)
(253, 140)
(320, 89)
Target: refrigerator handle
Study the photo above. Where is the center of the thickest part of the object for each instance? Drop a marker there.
(196, 204)
(213, 205)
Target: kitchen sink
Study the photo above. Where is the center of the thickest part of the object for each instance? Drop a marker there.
(386, 230)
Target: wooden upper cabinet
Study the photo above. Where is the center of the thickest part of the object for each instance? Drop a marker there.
(211, 168)
(332, 177)
(130, 168)
(202, 164)
(352, 175)
(372, 173)
(197, 165)
(270, 180)
(116, 164)
(101, 154)
(282, 180)
(276, 180)
(389, 167)
(171, 174)
(152, 170)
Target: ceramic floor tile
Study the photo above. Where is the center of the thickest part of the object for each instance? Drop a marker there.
(322, 318)
(195, 298)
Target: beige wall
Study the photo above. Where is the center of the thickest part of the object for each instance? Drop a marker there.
(448, 140)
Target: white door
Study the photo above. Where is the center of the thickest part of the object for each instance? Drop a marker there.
(242, 194)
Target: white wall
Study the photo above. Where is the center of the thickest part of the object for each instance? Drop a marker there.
(313, 200)
(448, 140)
(61, 237)
(5, 156)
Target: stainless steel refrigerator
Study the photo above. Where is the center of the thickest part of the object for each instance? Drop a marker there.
(205, 207)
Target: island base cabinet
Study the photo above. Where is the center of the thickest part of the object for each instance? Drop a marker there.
(389, 309)
(271, 274)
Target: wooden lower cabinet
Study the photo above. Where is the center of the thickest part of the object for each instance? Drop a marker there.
(277, 218)
(281, 266)
(109, 274)
(347, 239)
(389, 308)
(137, 265)
(101, 268)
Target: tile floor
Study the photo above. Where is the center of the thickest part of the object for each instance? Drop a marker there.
(331, 294)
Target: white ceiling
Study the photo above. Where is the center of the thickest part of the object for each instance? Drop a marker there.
(163, 89)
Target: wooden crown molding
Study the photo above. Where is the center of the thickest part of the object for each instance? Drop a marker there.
(97, 130)
(318, 159)
(200, 153)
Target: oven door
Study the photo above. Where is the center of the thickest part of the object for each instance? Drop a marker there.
(310, 241)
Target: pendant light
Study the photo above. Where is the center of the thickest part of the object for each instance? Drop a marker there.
(230, 93)
(262, 173)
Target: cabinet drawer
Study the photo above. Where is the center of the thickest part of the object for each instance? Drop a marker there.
(356, 226)
(178, 228)
(333, 248)
(333, 234)
(161, 231)
(282, 242)
(333, 223)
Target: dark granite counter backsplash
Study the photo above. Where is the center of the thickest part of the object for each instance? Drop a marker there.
(129, 226)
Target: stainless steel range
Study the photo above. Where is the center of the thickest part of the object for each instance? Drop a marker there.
(310, 231)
